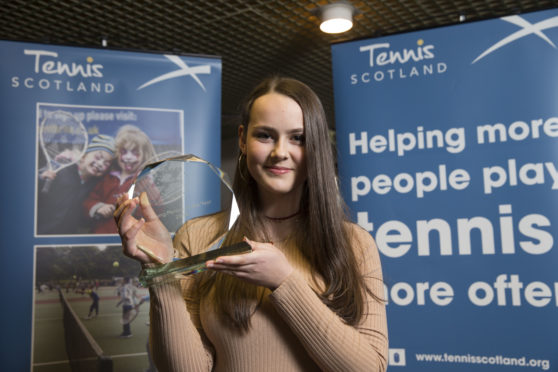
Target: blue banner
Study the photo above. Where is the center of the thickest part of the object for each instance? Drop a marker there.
(447, 142)
(98, 96)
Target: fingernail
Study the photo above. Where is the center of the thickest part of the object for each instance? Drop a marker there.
(219, 260)
(144, 199)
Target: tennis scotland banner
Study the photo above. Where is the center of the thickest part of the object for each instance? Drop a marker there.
(78, 124)
(448, 156)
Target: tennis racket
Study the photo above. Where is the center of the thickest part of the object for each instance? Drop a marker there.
(63, 139)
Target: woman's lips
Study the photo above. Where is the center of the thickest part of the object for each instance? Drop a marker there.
(277, 170)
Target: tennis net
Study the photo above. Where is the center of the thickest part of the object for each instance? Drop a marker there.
(84, 354)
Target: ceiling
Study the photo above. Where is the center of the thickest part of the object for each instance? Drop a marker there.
(255, 38)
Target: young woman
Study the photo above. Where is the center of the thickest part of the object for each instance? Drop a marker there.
(308, 296)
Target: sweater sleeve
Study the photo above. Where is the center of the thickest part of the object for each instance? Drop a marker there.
(177, 340)
(333, 344)
(176, 343)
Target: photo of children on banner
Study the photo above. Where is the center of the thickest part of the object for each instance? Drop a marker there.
(59, 210)
(133, 150)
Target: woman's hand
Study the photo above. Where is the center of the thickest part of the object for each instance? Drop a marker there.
(147, 239)
(265, 265)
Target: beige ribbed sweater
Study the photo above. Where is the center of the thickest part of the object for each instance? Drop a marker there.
(292, 330)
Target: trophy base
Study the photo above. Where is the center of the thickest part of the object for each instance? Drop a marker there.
(190, 265)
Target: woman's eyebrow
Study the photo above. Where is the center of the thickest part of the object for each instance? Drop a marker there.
(265, 128)
(274, 130)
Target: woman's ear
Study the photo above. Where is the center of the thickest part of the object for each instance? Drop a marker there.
(241, 139)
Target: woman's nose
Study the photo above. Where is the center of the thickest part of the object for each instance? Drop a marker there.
(279, 150)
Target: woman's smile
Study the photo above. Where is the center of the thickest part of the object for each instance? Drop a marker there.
(276, 170)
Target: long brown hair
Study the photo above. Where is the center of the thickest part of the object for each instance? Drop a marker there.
(325, 242)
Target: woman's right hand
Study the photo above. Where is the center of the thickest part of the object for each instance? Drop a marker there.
(146, 240)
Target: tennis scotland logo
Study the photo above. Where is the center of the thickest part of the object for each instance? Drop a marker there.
(526, 29)
(388, 63)
(72, 73)
(184, 70)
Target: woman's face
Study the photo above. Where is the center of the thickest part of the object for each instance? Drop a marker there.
(274, 145)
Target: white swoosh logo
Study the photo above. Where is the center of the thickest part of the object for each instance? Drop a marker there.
(184, 70)
(526, 29)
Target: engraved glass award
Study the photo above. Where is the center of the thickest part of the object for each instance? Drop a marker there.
(181, 189)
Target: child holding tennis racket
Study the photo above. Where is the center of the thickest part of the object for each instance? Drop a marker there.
(59, 211)
(133, 150)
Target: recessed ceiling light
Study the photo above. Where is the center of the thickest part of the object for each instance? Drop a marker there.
(336, 17)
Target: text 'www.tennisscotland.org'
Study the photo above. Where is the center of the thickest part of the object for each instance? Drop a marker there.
(496, 360)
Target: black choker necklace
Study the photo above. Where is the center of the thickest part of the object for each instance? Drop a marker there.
(279, 219)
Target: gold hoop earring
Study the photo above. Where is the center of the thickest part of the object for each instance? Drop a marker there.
(240, 168)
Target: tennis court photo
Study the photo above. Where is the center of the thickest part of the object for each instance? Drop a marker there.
(89, 312)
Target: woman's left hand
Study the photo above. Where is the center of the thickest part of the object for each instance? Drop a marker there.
(265, 265)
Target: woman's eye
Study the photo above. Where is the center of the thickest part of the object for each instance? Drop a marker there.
(299, 138)
(262, 136)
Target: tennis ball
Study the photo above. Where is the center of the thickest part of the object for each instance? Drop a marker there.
(115, 264)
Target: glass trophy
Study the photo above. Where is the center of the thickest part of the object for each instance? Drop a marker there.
(183, 188)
